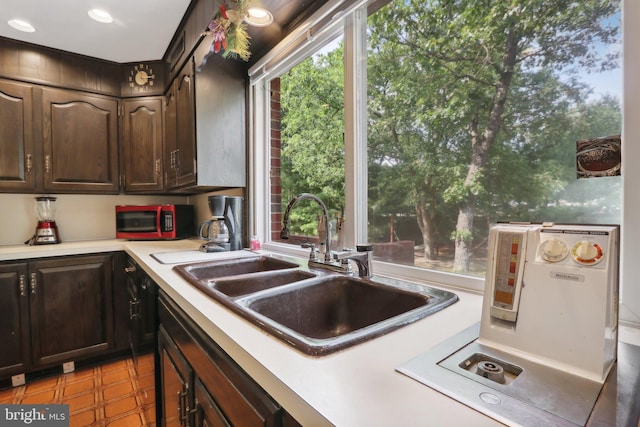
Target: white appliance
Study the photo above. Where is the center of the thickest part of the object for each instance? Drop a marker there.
(551, 296)
(547, 338)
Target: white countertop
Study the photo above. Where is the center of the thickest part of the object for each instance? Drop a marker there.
(354, 387)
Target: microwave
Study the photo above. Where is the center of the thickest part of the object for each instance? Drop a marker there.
(154, 222)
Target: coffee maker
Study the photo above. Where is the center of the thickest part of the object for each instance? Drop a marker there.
(223, 232)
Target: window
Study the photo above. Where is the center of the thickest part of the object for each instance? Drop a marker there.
(474, 112)
(307, 149)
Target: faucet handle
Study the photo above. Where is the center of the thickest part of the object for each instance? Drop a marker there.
(313, 255)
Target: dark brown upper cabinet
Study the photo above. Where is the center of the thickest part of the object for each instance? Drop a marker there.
(142, 144)
(205, 147)
(180, 145)
(17, 128)
(80, 142)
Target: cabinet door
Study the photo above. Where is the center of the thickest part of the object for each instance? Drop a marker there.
(170, 139)
(148, 294)
(142, 140)
(141, 303)
(120, 301)
(17, 146)
(185, 128)
(175, 377)
(242, 401)
(14, 319)
(80, 140)
(71, 305)
(207, 412)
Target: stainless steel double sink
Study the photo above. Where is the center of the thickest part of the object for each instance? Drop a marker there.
(316, 311)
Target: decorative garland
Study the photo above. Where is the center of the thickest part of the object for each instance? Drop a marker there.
(230, 32)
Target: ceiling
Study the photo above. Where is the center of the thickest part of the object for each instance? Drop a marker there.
(141, 30)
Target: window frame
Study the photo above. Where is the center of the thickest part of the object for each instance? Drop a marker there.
(353, 16)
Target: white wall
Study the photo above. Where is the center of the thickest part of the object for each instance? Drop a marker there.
(83, 217)
(78, 216)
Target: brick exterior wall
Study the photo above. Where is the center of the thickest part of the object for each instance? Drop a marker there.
(276, 185)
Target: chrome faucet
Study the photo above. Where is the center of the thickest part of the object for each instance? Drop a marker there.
(363, 257)
(284, 233)
(338, 261)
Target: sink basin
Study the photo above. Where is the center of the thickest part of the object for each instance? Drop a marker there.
(256, 282)
(207, 271)
(315, 311)
(329, 313)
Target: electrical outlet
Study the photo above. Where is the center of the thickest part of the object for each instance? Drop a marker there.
(68, 367)
(17, 380)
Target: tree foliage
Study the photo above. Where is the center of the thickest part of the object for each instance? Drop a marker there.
(474, 110)
(312, 129)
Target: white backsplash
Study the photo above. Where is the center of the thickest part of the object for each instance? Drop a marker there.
(81, 216)
(78, 216)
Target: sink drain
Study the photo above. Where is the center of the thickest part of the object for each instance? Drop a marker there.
(490, 370)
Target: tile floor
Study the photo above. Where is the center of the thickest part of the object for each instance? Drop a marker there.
(116, 394)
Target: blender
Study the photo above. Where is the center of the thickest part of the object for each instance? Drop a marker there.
(46, 230)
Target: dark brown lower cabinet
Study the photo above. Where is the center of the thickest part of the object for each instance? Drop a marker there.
(55, 310)
(71, 308)
(207, 412)
(14, 316)
(176, 376)
(201, 385)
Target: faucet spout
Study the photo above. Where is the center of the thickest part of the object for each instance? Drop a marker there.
(363, 258)
(284, 233)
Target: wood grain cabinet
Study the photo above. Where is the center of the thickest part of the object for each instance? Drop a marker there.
(80, 142)
(205, 146)
(135, 296)
(141, 144)
(14, 312)
(55, 310)
(17, 129)
(177, 377)
(201, 385)
(180, 146)
(71, 308)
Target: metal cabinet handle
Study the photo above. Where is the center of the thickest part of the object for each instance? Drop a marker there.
(47, 163)
(29, 163)
(134, 309)
(130, 269)
(22, 285)
(183, 407)
(34, 283)
(157, 167)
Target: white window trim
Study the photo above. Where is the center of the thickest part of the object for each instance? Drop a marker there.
(355, 137)
(630, 232)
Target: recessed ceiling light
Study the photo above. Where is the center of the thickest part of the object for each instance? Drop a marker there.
(21, 25)
(100, 16)
(258, 17)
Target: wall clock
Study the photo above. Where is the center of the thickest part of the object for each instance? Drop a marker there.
(141, 77)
